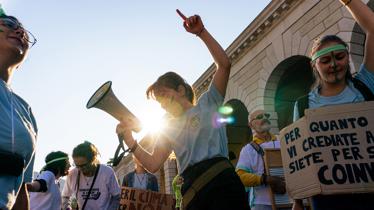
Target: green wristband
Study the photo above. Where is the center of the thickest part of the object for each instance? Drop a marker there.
(326, 50)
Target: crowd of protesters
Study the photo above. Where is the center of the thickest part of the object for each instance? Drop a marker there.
(206, 179)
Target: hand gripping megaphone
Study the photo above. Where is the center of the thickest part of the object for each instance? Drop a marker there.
(105, 100)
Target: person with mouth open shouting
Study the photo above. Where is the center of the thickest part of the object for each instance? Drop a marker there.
(200, 146)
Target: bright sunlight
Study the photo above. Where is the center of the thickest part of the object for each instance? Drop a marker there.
(152, 119)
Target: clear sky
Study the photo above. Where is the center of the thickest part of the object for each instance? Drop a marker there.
(84, 43)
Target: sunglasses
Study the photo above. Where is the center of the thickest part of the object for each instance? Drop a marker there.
(262, 116)
(82, 165)
(15, 25)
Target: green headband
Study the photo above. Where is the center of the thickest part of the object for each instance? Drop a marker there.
(327, 50)
(57, 159)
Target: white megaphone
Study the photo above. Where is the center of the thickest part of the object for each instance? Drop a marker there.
(105, 100)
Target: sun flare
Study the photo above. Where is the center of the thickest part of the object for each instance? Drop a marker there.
(152, 120)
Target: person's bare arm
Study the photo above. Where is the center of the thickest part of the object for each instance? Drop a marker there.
(150, 161)
(195, 26)
(365, 18)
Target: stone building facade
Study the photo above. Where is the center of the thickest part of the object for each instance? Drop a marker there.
(270, 58)
(270, 61)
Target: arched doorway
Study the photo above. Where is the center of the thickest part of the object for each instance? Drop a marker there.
(238, 132)
(295, 80)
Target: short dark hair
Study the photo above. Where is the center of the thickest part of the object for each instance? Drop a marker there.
(318, 43)
(57, 166)
(171, 80)
(87, 150)
(11, 17)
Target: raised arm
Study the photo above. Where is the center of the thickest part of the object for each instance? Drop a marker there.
(365, 18)
(195, 26)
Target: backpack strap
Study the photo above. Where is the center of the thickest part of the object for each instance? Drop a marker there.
(258, 149)
(92, 184)
(302, 104)
(364, 90)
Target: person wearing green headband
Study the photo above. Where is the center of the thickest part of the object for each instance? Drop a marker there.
(334, 84)
(18, 129)
(44, 190)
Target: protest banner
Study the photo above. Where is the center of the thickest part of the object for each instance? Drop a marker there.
(330, 151)
(137, 199)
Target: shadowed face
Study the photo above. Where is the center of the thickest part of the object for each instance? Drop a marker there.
(84, 165)
(13, 37)
(170, 100)
(259, 121)
(333, 66)
(67, 167)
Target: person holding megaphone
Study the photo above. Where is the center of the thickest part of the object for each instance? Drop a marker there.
(209, 179)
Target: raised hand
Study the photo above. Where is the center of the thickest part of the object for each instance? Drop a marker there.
(192, 24)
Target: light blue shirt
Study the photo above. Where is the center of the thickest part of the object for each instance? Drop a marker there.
(349, 95)
(195, 136)
(25, 131)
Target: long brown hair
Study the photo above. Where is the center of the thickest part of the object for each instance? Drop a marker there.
(171, 80)
(87, 150)
(318, 43)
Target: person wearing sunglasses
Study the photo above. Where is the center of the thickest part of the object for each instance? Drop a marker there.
(18, 129)
(335, 84)
(94, 185)
(250, 166)
(45, 190)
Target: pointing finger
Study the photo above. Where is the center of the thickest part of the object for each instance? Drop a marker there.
(181, 15)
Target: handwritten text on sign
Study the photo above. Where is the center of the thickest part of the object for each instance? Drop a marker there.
(340, 137)
(136, 199)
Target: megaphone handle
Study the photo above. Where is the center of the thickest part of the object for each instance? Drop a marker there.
(120, 139)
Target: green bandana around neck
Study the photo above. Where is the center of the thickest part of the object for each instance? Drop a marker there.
(326, 50)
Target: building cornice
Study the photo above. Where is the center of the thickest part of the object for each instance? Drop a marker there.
(273, 13)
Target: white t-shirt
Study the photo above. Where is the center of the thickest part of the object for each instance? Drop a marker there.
(252, 162)
(50, 200)
(105, 187)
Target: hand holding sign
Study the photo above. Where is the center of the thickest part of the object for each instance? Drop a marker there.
(192, 24)
(277, 184)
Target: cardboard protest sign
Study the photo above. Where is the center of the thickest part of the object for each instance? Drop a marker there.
(137, 199)
(330, 151)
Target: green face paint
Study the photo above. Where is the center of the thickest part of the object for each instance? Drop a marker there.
(326, 50)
